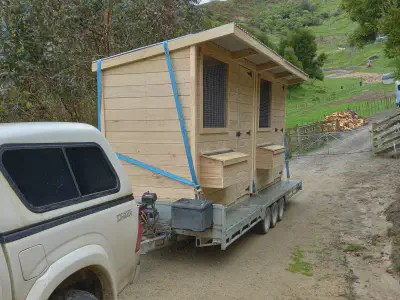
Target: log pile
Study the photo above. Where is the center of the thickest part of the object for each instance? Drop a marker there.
(348, 120)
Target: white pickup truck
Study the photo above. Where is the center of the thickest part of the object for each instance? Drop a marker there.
(69, 226)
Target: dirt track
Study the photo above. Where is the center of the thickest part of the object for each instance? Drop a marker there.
(341, 208)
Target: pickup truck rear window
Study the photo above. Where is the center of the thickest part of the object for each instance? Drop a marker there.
(91, 170)
(42, 175)
(47, 177)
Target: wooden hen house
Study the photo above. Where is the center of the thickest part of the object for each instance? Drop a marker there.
(231, 90)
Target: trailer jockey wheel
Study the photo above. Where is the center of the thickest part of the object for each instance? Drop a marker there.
(281, 208)
(274, 212)
(263, 226)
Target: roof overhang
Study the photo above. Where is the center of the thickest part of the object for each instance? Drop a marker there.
(232, 38)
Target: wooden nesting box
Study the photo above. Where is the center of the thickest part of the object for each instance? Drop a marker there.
(220, 170)
(231, 90)
(270, 156)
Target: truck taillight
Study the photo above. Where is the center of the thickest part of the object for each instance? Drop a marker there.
(139, 235)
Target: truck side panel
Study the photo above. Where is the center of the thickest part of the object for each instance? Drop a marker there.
(5, 284)
(102, 227)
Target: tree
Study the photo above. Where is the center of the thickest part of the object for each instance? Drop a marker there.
(288, 54)
(46, 49)
(375, 17)
(303, 43)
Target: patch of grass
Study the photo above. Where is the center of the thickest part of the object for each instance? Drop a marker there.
(298, 265)
(309, 103)
(353, 247)
(323, 252)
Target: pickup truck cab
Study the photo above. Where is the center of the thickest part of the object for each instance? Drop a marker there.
(69, 226)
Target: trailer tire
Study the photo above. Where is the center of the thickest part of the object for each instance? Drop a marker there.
(264, 225)
(281, 209)
(274, 214)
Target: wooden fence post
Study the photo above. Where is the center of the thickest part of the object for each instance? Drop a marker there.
(299, 140)
(373, 136)
(289, 144)
(337, 125)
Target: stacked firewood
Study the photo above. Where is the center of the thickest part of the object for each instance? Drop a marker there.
(348, 120)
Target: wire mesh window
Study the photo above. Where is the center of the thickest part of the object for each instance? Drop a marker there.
(265, 104)
(215, 77)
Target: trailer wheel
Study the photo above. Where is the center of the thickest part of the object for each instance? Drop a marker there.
(263, 226)
(274, 213)
(281, 208)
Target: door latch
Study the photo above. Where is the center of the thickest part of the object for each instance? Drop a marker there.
(238, 133)
(248, 132)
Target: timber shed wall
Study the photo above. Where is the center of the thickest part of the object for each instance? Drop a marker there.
(140, 120)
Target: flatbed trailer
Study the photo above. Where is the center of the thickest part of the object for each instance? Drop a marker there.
(229, 222)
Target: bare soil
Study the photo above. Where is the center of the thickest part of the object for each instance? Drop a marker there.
(367, 78)
(337, 223)
(367, 95)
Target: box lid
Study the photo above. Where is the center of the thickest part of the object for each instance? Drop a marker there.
(272, 148)
(191, 204)
(227, 157)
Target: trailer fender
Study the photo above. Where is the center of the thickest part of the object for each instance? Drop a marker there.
(87, 256)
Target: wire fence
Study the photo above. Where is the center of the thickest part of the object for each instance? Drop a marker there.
(304, 139)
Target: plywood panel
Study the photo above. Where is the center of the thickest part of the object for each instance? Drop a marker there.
(145, 126)
(147, 102)
(140, 91)
(144, 78)
(145, 114)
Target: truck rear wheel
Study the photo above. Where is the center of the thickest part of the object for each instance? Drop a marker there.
(74, 295)
(263, 226)
(274, 213)
(281, 208)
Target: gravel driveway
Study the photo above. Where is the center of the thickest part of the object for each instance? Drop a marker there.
(331, 244)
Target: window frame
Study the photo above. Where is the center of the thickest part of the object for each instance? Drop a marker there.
(62, 146)
(225, 129)
(269, 128)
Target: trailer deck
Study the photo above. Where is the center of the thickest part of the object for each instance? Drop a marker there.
(229, 223)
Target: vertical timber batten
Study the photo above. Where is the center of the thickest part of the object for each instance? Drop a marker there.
(193, 103)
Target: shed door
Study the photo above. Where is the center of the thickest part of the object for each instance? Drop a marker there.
(246, 123)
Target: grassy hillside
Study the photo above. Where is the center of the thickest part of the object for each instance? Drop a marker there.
(310, 102)
(332, 31)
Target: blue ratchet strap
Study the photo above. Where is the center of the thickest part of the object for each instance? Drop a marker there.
(180, 115)
(154, 169)
(99, 94)
(286, 158)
